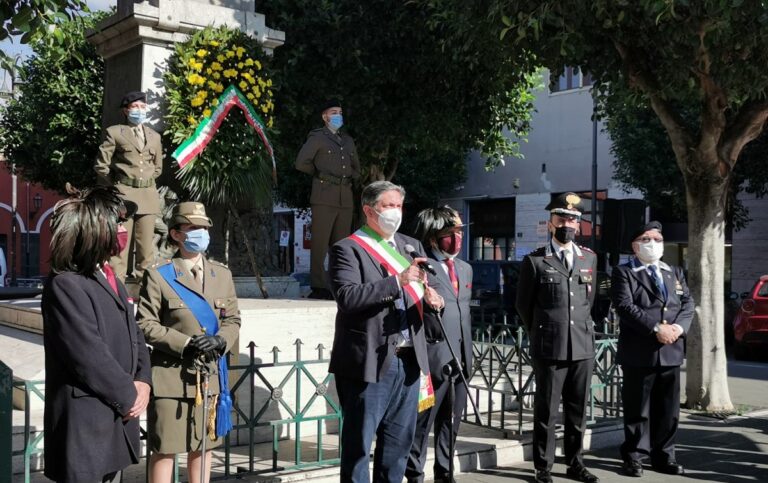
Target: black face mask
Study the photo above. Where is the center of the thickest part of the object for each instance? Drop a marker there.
(565, 234)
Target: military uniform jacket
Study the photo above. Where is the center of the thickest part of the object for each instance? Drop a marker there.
(554, 304)
(168, 324)
(123, 164)
(640, 307)
(325, 153)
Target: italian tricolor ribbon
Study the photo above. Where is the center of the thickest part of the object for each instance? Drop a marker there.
(391, 259)
(209, 126)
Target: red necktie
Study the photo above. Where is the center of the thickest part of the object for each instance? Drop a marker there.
(110, 277)
(452, 274)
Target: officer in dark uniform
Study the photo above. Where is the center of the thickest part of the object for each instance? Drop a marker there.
(554, 299)
(330, 156)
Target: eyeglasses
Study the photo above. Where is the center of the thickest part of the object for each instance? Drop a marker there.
(648, 239)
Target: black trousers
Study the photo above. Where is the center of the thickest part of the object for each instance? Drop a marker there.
(438, 416)
(571, 379)
(651, 398)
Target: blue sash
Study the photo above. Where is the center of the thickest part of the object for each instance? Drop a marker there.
(208, 320)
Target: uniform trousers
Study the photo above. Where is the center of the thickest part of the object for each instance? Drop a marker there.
(651, 397)
(438, 416)
(386, 409)
(140, 252)
(571, 379)
(329, 225)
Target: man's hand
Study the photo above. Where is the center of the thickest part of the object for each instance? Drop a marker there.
(413, 273)
(142, 400)
(434, 299)
(667, 334)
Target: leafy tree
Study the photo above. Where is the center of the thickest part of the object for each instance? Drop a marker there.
(38, 21)
(709, 54)
(52, 130)
(411, 98)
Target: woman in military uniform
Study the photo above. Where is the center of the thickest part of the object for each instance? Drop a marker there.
(188, 313)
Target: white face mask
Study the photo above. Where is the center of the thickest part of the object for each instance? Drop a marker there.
(650, 252)
(389, 220)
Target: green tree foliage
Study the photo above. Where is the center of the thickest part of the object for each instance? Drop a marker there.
(415, 101)
(52, 130)
(38, 21)
(707, 54)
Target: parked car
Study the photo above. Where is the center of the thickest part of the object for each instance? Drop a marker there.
(750, 325)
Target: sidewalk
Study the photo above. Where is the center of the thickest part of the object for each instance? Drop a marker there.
(732, 451)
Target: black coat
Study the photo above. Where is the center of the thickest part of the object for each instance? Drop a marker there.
(555, 304)
(367, 322)
(94, 351)
(456, 319)
(640, 307)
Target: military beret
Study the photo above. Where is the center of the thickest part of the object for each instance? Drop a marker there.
(133, 96)
(651, 225)
(190, 212)
(330, 103)
(565, 204)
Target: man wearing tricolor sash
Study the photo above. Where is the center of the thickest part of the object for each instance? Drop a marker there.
(379, 349)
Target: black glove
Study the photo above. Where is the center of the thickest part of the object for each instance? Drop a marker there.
(206, 343)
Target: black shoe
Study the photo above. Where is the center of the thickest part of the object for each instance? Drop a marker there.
(632, 468)
(580, 473)
(670, 468)
(543, 476)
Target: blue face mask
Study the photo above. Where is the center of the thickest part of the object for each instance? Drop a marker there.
(336, 121)
(197, 240)
(137, 116)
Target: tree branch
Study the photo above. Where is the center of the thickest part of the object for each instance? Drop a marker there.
(743, 128)
(715, 102)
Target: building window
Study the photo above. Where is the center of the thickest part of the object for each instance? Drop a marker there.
(492, 233)
(572, 78)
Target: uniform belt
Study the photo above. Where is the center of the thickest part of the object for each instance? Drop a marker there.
(329, 178)
(135, 182)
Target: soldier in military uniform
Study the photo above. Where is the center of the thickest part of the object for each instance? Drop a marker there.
(330, 156)
(176, 296)
(131, 158)
(555, 293)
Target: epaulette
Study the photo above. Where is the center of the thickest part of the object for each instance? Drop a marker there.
(219, 264)
(586, 249)
(538, 252)
(160, 263)
(318, 130)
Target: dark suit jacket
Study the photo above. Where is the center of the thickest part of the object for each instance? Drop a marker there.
(327, 153)
(94, 351)
(555, 304)
(367, 322)
(640, 307)
(455, 316)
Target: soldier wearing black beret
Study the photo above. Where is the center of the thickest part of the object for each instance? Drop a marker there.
(555, 293)
(131, 159)
(329, 155)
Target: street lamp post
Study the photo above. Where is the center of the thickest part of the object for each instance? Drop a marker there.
(13, 224)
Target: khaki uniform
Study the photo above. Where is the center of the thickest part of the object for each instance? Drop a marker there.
(133, 168)
(168, 325)
(333, 162)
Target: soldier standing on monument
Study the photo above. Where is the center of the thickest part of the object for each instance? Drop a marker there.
(131, 159)
(330, 156)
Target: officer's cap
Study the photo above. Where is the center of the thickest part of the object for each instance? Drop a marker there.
(329, 104)
(565, 204)
(133, 96)
(651, 225)
(190, 212)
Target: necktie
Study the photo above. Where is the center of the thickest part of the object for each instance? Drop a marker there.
(452, 274)
(400, 305)
(564, 259)
(197, 273)
(656, 276)
(110, 274)
(139, 133)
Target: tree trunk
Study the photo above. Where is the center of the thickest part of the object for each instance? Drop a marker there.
(251, 257)
(706, 375)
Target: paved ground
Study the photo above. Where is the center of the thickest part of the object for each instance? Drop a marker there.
(732, 451)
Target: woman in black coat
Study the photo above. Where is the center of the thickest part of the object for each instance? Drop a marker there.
(97, 371)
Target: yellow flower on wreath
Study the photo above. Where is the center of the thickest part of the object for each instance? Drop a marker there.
(207, 113)
(201, 53)
(213, 43)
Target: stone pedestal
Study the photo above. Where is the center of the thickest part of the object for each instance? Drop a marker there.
(137, 41)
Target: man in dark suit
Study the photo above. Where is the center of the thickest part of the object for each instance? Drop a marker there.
(655, 312)
(97, 370)
(329, 155)
(379, 347)
(440, 230)
(555, 293)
